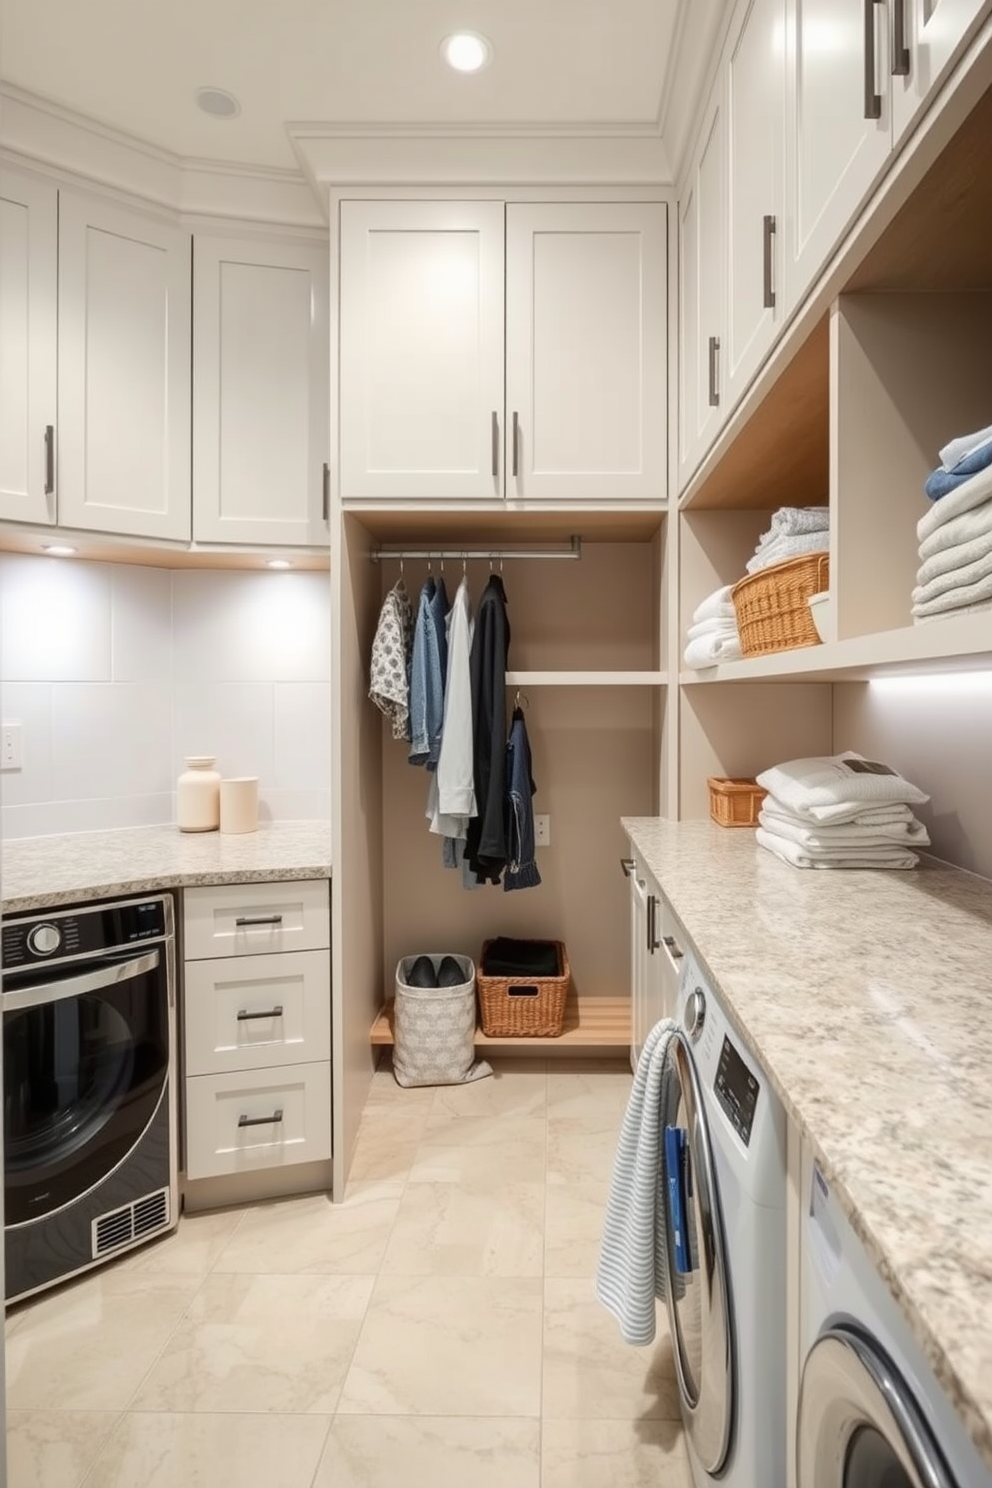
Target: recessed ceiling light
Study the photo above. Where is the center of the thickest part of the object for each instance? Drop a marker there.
(466, 51)
(218, 103)
(278, 563)
(58, 550)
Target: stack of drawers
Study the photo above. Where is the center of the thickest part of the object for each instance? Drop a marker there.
(257, 1027)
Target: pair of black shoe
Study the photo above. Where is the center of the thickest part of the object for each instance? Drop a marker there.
(422, 973)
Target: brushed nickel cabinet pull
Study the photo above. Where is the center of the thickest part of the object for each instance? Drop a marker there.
(49, 459)
(627, 864)
(873, 99)
(275, 919)
(516, 443)
(900, 47)
(326, 506)
(714, 348)
(769, 251)
(495, 445)
(272, 1120)
(244, 1016)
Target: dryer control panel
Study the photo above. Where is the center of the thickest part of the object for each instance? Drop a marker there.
(736, 1090)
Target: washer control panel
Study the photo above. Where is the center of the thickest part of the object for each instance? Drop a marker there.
(737, 1090)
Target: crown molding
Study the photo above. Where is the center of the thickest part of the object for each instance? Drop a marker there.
(45, 134)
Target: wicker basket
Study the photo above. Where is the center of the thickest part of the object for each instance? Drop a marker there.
(735, 803)
(771, 606)
(521, 1006)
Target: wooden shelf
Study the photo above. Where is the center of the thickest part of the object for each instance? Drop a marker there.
(592, 1024)
(955, 644)
(586, 679)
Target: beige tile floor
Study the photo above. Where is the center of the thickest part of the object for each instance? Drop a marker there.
(437, 1329)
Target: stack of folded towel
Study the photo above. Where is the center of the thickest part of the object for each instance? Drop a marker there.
(959, 460)
(794, 531)
(840, 811)
(955, 573)
(712, 637)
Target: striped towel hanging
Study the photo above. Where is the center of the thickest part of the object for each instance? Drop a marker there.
(633, 1260)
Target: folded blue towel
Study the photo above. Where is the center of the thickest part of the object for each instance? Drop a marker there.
(941, 482)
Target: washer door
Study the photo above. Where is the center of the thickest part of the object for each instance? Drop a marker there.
(699, 1300)
(858, 1424)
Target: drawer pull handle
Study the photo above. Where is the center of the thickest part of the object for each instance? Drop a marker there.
(244, 1016)
(672, 947)
(272, 1120)
(627, 864)
(258, 920)
(49, 459)
(873, 99)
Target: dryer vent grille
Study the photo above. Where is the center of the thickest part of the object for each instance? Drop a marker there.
(135, 1221)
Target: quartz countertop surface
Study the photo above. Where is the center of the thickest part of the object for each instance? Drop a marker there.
(867, 997)
(39, 872)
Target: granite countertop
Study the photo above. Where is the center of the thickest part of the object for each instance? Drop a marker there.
(39, 872)
(866, 997)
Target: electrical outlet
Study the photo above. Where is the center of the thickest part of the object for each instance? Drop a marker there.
(542, 831)
(11, 746)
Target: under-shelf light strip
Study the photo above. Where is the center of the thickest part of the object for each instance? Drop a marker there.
(382, 555)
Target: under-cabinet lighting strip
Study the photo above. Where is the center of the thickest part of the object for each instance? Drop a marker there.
(381, 555)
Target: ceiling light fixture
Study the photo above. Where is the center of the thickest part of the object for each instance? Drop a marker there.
(278, 563)
(218, 103)
(58, 550)
(466, 51)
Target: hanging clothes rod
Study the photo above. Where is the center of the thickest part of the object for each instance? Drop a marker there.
(574, 550)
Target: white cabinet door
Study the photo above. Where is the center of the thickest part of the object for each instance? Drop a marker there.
(839, 126)
(688, 333)
(260, 391)
(638, 960)
(926, 35)
(586, 351)
(124, 371)
(421, 350)
(711, 249)
(755, 103)
(28, 347)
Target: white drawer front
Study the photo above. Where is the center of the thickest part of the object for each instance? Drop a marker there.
(256, 919)
(253, 1012)
(222, 1111)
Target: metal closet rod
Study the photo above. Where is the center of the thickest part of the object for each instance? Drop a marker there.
(574, 550)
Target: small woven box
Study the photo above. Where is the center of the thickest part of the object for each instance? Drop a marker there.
(735, 803)
(523, 1006)
(771, 605)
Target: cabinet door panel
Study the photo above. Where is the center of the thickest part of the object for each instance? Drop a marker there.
(688, 331)
(124, 371)
(421, 349)
(711, 278)
(756, 129)
(260, 354)
(834, 153)
(28, 309)
(585, 351)
(935, 30)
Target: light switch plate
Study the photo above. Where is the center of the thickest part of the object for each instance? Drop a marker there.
(11, 746)
(542, 831)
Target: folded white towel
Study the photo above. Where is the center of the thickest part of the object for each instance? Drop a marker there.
(964, 597)
(955, 557)
(723, 627)
(975, 609)
(711, 650)
(799, 857)
(964, 528)
(633, 1259)
(896, 814)
(781, 549)
(716, 606)
(965, 444)
(829, 838)
(792, 521)
(825, 786)
(955, 578)
(965, 498)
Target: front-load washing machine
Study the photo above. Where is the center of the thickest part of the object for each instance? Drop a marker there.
(870, 1413)
(726, 1280)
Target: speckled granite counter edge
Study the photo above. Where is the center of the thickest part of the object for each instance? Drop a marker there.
(152, 883)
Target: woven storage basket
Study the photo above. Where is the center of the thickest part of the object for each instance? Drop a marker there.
(735, 803)
(522, 1006)
(771, 606)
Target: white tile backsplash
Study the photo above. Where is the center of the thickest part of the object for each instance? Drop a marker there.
(117, 672)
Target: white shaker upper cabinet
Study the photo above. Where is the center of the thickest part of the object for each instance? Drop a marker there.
(755, 103)
(703, 270)
(586, 351)
(839, 125)
(421, 350)
(925, 37)
(124, 371)
(28, 344)
(260, 390)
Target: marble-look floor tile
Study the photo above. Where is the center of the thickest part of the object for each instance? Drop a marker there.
(387, 1143)
(53, 1448)
(583, 1148)
(573, 1227)
(87, 1345)
(586, 1088)
(166, 1450)
(463, 1346)
(590, 1373)
(386, 1093)
(624, 1454)
(431, 1452)
(517, 1087)
(478, 1150)
(311, 1234)
(191, 1249)
(260, 1343)
(445, 1229)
